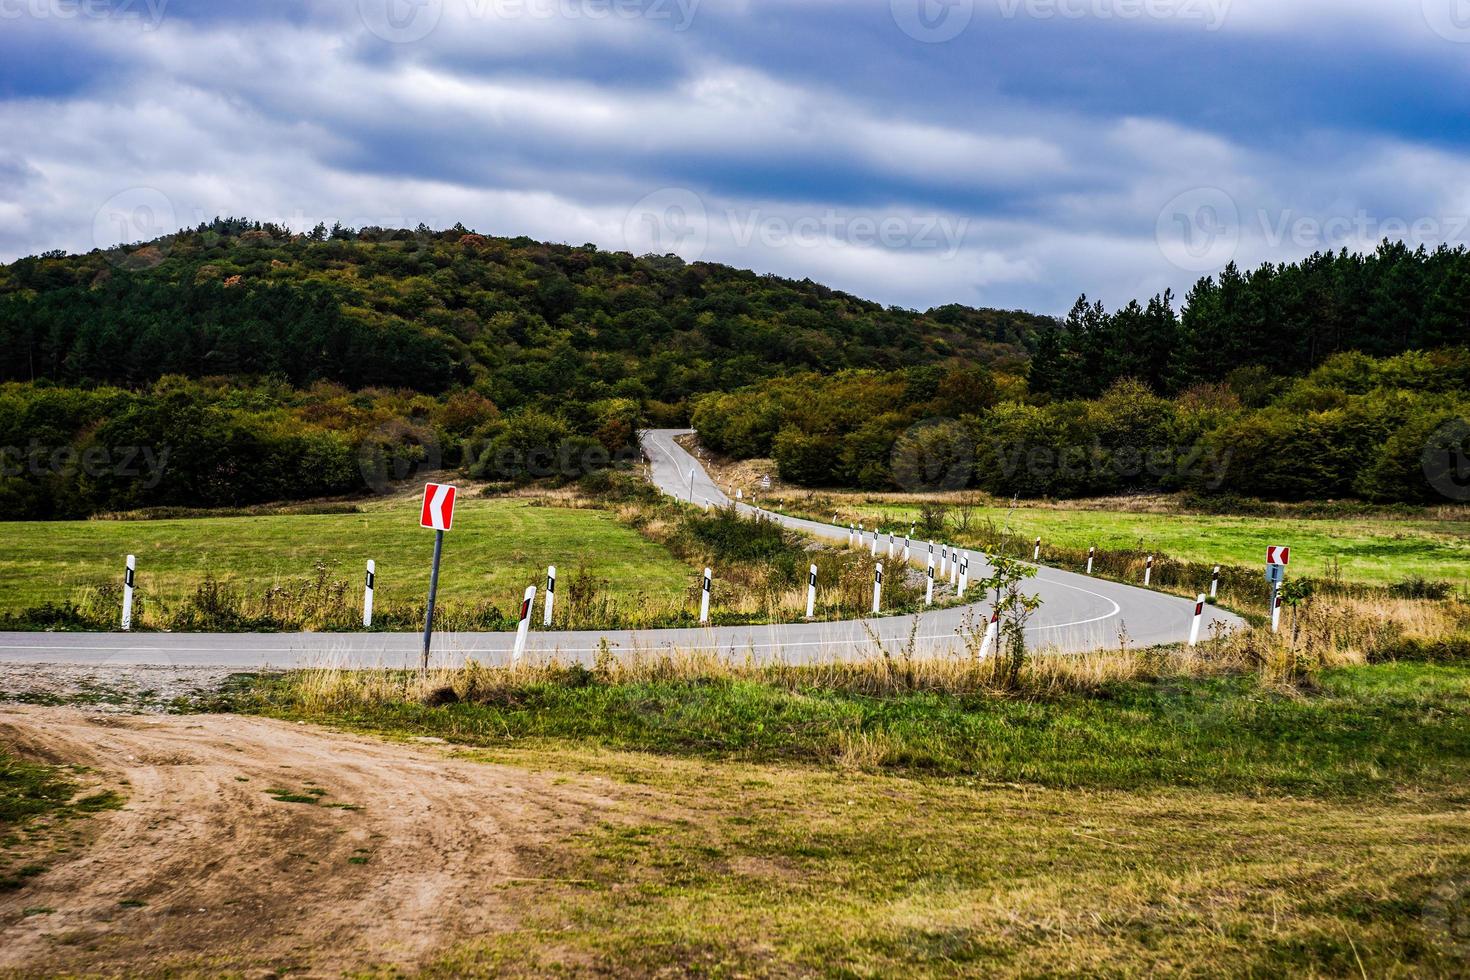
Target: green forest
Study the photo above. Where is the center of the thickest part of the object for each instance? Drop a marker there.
(1341, 376)
(239, 362)
(253, 364)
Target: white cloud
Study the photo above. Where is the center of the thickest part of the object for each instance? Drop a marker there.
(1034, 202)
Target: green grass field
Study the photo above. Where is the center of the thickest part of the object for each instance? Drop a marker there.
(498, 546)
(1216, 827)
(1376, 551)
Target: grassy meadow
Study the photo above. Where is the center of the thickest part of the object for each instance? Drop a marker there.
(626, 557)
(498, 546)
(1367, 550)
(1160, 812)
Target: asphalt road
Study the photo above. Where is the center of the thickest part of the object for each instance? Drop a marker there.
(1077, 614)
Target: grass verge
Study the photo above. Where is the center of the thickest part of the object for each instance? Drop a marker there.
(892, 818)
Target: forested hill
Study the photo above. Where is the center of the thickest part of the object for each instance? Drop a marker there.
(520, 322)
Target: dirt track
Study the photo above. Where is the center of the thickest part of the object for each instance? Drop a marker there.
(235, 880)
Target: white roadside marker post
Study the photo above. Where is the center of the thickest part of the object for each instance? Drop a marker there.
(890, 546)
(943, 559)
(519, 650)
(964, 575)
(931, 554)
(1036, 555)
(1148, 571)
(1215, 583)
(877, 588)
(369, 583)
(691, 484)
(704, 598)
(990, 635)
(1276, 611)
(1091, 554)
(954, 567)
(128, 573)
(874, 553)
(550, 594)
(1199, 614)
(850, 533)
(929, 586)
(811, 592)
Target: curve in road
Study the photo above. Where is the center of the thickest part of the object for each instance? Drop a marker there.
(1078, 613)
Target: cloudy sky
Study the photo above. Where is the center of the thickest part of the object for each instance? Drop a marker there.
(994, 152)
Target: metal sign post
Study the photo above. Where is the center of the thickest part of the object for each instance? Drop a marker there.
(433, 594)
(438, 514)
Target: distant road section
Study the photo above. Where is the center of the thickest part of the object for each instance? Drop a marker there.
(1078, 614)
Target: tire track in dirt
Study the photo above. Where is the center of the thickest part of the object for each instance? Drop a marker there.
(420, 849)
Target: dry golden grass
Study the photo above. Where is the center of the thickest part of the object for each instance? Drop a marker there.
(1329, 631)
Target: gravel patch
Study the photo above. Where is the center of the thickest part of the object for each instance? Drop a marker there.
(120, 689)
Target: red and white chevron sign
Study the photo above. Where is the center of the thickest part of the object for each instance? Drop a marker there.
(438, 512)
(1278, 555)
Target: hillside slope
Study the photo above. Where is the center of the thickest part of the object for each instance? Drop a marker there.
(522, 322)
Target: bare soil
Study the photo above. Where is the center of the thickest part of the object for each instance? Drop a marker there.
(406, 849)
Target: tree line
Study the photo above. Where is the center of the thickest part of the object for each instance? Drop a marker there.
(1383, 429)
(1282, 320)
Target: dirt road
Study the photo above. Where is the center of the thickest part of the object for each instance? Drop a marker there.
(211, 867)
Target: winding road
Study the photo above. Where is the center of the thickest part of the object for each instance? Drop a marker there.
(1078, 614)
